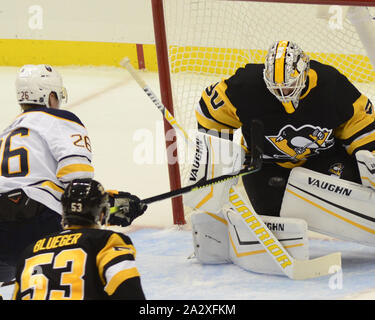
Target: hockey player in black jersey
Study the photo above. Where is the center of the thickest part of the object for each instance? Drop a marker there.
(313, 117)
(84, 261)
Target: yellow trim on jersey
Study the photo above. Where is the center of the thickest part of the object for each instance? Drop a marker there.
(360, 142)
(332, 213)
(313, 81)
(288, 106)
(210, 124)
(357, 122)
(108, 253)
(52, 185)
(74, 168)
(280, 62)
(290, 165)
(226, 113)
(119, 278)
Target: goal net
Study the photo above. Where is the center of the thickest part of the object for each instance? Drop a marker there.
(207, 40)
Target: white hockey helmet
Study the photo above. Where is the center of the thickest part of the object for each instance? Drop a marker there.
(34, 83)
(285, 71)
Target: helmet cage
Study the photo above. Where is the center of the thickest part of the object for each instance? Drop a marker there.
(287, 91)
(296, 68)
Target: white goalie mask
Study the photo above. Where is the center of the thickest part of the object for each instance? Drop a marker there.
(34, 83)
(285, 71)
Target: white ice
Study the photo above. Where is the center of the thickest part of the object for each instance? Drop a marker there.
(119, 117)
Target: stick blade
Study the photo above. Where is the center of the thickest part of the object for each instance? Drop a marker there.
(318, 267)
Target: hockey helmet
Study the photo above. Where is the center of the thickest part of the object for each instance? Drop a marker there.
(285, 71)
(34, 83)
(83, 201)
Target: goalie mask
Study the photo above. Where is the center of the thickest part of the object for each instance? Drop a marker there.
(285, 72)
(34, 83)
(83, 201)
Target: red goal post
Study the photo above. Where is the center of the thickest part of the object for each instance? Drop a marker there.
(185, 56)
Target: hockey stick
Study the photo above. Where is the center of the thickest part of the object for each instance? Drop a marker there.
(154, 98)
(294, 269)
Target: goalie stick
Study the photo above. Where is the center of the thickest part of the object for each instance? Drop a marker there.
(292, 268)
(154, 98)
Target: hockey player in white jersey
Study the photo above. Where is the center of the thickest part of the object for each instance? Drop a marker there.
(40, 152)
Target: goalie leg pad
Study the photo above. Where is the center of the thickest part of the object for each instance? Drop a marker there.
(331, 206)
(210, 238)
(246, 252)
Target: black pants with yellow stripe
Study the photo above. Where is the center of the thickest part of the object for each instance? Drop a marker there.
(266, 187)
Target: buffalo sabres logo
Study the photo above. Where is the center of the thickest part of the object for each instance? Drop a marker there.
(299, 144)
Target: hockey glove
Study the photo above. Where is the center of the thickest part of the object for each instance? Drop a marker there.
(125, 207)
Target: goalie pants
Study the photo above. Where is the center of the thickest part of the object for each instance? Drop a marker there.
(265, 188)
(15, 236)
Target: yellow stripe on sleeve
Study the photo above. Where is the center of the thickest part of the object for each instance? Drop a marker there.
(226, 112)
(119, 278)
(360, 142)
(357, 122)
(114, 247)
(210, 124)
(72, 168)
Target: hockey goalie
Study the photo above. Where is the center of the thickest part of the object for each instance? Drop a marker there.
(318, 170)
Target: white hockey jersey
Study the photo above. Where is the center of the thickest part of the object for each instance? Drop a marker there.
(40, 151)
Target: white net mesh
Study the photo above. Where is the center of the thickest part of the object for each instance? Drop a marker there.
(209, 39)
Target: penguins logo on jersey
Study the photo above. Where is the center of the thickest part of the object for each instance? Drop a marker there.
(301, 143)
(336, 170)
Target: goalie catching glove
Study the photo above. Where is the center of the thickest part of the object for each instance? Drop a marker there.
(125, 207)
(366, 166)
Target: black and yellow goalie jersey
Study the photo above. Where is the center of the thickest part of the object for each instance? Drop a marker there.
(330, 110)
(80, 264)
